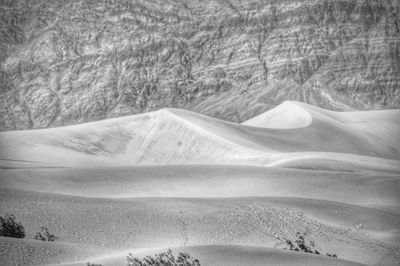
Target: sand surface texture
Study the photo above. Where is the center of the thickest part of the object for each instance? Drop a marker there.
(221, 191)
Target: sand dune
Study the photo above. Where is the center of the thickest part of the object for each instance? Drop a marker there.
(208, 255)
(373, 189)
(179, 137)
(120, 224)
(288, 115)
(233, 256)
(32, 252)
(222, 191)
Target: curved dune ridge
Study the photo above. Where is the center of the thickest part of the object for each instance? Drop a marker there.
(360, 234)
(177, 137)
(288, 115)
(208, 255)
(375, 188)
(232, 256)
(221, 191)
(31, 252)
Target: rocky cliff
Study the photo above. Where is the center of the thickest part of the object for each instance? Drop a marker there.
(71, 61)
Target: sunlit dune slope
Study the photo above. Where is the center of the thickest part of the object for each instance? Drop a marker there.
(288, 115)
(372, 189)
(172, 136)
(232, 256)
(365, 235)
(379, 129)
(15, 251)
(222, 191)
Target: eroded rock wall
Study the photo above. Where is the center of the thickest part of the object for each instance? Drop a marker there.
(67, 62)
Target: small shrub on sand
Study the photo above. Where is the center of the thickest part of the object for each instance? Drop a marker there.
(10, 228)
(164, 259)
(300, 245)
(92, 264)
(44, 235)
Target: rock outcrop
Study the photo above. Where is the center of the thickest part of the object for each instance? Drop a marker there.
(66, 62)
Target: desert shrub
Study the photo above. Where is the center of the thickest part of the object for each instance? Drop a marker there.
(11, 228)
(44, 235)
(163, 259)
(92, 264)
(301, 245)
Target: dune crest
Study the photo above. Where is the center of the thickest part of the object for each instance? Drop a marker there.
(288, 115)
(216, 255)
(175, 137)
(174, 178)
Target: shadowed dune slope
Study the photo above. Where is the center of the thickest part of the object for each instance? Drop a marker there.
(172, 136)
(377, 128)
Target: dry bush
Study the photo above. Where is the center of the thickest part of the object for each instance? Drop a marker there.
(44, 235)
(301, 245)
(164, 259)
(11, 228)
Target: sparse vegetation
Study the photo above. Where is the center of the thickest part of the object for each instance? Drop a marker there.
(301, 245)
(44, 235)
(11, 228)
(164, 259)
(92, 264)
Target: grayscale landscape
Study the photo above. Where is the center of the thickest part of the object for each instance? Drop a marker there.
(240, 133)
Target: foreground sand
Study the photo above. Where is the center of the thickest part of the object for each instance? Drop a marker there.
(221, 191)
(235, 256)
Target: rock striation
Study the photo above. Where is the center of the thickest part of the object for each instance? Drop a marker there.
(72, 61)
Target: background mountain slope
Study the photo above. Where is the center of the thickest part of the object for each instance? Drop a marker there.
(67, 62)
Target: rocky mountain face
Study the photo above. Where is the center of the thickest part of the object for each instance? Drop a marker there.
(72, 61)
